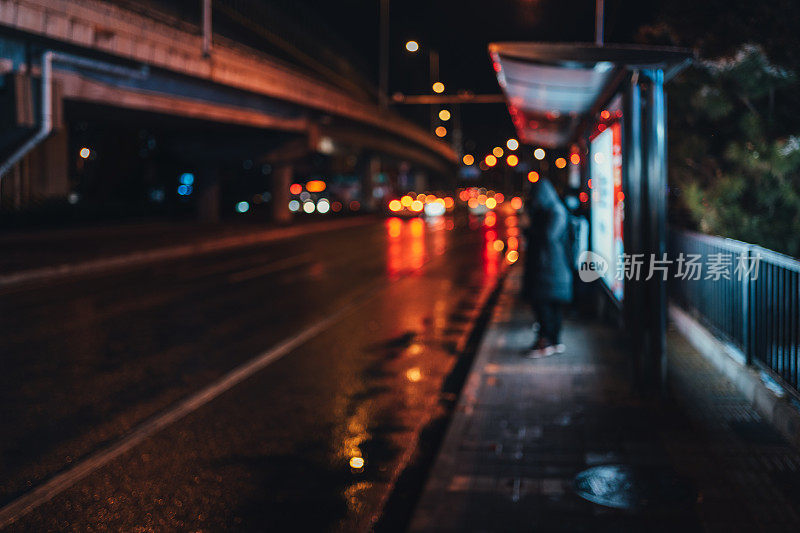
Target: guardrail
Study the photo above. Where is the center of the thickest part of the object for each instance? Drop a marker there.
(284, 29)
(756, 307)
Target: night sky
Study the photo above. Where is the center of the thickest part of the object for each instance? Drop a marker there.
(460, 31)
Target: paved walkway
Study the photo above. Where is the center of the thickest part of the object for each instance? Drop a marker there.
(524, 428)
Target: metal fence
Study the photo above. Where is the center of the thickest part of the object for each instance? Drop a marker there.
(756, 306)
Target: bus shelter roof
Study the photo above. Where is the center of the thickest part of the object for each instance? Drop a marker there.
(552, 88)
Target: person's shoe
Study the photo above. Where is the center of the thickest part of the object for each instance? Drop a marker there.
(542, 348)
(560, 348)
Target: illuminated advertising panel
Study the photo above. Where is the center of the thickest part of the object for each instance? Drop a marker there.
(605, 172)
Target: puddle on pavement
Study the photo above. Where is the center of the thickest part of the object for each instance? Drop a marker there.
(628, 487)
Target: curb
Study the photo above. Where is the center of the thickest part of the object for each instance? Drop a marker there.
(172, 252)
(460, 345)
(421, 518)
(765, 395)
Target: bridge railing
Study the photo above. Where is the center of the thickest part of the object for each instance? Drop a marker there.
(285, 29)
(755, 306)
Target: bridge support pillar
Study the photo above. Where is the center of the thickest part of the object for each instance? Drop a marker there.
(281, 179)
(208, 196)
(371, 177)
(43, 173)
(50, 166)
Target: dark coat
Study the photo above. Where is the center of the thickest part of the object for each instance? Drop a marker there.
(548, 274)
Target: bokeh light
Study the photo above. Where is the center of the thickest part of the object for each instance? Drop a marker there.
(315, 186)
(414, 374)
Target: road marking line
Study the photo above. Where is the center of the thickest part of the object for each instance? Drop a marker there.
(64, 480)
(60, 482)
(173, 252)
(269, 268)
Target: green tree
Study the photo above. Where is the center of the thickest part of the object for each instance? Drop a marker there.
(735, 120)
(735, 150)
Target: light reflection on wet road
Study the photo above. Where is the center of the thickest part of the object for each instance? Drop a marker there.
(309, 442)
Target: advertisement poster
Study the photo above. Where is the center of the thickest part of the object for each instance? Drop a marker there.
(608, 203)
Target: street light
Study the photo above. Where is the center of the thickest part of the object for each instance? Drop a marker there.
(512, 144)
(412, 46)
(497, 151)
(444, 115)
(538, 154)
(438, 87)
(441, 131)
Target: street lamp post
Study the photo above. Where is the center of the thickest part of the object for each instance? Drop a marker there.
(383, 75)
(205, 6)
(598, 23)
(433, 69)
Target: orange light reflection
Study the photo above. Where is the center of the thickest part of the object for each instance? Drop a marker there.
(406, 249)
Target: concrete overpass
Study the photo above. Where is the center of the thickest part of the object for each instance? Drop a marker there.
(110, 55)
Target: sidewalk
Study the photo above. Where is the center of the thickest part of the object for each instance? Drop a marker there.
(523, 429)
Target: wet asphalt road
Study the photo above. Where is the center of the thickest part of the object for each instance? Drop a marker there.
(88, 360)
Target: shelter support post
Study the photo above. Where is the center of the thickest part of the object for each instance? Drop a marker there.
(655, 150)
(634, 221)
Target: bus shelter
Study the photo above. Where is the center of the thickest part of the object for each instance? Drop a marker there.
(607, 104)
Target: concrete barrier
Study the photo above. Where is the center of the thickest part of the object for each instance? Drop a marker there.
(767, 396)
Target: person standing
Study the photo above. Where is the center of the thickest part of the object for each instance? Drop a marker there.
(548, 270)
